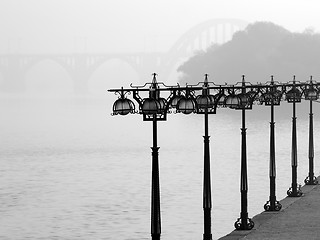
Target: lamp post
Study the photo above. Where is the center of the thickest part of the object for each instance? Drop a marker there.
(311, 94)
(206, 103)
(272, 98)
(153, 108)
(293, 96)
(243, 103)
(202, 104)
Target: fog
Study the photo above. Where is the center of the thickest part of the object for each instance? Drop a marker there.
(58, 58)
(44, 26)
(36, 27)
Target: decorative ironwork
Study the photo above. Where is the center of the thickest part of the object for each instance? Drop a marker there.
(295, 192)
(244, 224)
(311, 181)
(269, 206)
(155, 100)
(294, 94)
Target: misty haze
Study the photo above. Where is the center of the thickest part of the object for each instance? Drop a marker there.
(70, 170)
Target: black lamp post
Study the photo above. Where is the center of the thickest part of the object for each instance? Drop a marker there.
(153, 108)
(242, 223)
(202, 104)
(311, 94)
(293, 96)
(272, 98)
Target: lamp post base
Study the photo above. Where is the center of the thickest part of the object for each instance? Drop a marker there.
(275, 206)
(311, 180)
(295, 192)
(244, 224)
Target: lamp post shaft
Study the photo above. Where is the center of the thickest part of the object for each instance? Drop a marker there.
(244, 180)
(311, 148)
(311, 179)
(272, 204)
(244, 223)
(294, 154)
(207, 205)
(155, 188)
(294, 191)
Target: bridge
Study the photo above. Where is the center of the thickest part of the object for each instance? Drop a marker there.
(80, 67)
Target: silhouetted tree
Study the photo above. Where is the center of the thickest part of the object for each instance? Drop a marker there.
(261, 50)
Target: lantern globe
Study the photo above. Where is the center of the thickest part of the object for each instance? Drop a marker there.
(311, 94)
(221, 99)
(277, 95)
(186, 105)
(150, 106)
(163, 104)
(174, 101)
(232, 101)
(244, 100)
(205, 101)
(123, 106)
(293, 95)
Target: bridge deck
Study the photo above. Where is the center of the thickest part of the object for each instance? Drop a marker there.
(299, 218)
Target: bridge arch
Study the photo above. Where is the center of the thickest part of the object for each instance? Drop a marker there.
(112, 72)
(65, 63)
(201, 37)
(207, 33)
(48, 76)
(81, 67)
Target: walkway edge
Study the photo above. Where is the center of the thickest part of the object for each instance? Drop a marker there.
(264, 217)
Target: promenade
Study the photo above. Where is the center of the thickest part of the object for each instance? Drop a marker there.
(299, 218)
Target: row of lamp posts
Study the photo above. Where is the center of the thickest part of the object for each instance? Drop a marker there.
(154, 108)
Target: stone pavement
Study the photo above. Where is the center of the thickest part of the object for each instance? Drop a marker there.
(299, 218)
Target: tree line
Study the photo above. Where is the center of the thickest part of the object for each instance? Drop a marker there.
(260, 50)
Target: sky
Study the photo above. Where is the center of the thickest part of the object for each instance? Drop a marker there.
(68, 26)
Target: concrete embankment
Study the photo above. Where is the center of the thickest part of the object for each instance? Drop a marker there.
(299, 218)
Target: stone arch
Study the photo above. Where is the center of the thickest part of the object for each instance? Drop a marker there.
(48, 77)
(111, 73)
(30, 62)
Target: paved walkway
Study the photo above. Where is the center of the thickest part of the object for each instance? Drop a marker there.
(299, 218)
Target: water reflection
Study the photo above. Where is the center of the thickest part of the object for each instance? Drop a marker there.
(71, 171)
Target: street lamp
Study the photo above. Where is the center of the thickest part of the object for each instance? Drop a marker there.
(202, 104)
(311, 93)
(153, 108)
(294, 96)
(242, 223)
(272, 98)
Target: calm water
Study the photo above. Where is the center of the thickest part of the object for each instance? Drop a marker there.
(69, 170)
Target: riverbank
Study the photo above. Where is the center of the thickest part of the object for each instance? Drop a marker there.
(298, 219)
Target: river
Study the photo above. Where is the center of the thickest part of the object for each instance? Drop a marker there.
(70, 170)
